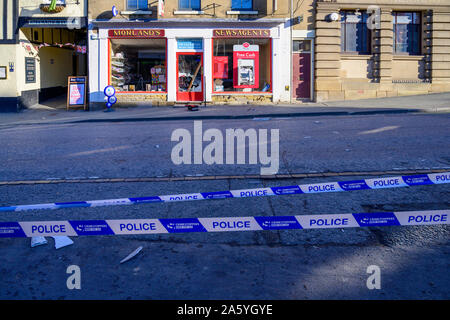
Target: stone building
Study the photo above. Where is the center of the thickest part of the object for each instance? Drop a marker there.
(388, 48)
(190, 50)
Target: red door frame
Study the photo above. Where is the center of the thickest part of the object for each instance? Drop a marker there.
(190, 96)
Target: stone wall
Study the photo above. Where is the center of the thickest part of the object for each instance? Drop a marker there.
(339, 76)
(242, 99)
(153, 99)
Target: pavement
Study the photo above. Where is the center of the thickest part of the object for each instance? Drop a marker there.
(53, 111)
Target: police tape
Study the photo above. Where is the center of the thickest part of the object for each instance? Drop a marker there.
(374, 183)
(186, 225)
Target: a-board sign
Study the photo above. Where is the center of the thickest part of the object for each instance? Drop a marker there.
(76, 95)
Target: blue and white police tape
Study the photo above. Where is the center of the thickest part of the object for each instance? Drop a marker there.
(375, 183)
(183, 225)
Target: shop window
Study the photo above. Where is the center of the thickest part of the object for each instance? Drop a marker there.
(189, 5)
(137, 4)
(355, 35)
(138, 65)
(407, 33)
(242, 4)
(242, 65)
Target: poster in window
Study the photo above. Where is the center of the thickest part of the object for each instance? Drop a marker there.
(246, 66)
(220, 67)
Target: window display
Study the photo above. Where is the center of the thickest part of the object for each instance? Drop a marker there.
(241, 65)
(138, 65)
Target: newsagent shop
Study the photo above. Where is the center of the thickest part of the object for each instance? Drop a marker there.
(215, 64)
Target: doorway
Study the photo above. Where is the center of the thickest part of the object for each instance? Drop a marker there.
(301, 82)
(189, 76)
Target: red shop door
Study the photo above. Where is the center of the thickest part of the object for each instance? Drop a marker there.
(301, 59)
(189, 76)
(302, 76)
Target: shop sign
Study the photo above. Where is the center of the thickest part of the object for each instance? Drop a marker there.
(30, 70)
(193, 44)
(241, 33)
(136, 33)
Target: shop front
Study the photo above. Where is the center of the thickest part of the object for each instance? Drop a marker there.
(214, 64)
(242, 65)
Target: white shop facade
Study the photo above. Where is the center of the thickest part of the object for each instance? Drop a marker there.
(166, 62)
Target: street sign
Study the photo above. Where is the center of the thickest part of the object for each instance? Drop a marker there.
(110, 92)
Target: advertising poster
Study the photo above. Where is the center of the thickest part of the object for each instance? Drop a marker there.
(76, 96)
(246, 66)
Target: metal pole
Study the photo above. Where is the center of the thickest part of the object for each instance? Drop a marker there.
(290, 51)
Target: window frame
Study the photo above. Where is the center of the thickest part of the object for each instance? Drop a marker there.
(190, 8)
(419, 32)
(344, 34)
(240, 8)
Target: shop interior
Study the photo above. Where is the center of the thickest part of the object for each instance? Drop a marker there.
(138, 65)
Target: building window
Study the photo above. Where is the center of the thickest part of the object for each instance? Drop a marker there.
(137, 4)
(242, 65)
(242, 4)
(189, 5)
(138, 65)
(407, 33)
(355, 36)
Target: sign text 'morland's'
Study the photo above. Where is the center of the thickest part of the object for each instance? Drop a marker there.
(136, 33)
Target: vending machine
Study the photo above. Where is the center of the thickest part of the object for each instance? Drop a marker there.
(246, 66)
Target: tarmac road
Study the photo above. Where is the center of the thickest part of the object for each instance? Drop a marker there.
(301, 264)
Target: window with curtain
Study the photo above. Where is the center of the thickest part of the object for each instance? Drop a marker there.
(355, 36)
(137, 4)
(189, 5)
(242, 4)
(407, 33)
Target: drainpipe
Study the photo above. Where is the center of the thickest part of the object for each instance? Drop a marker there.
(290, 51)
